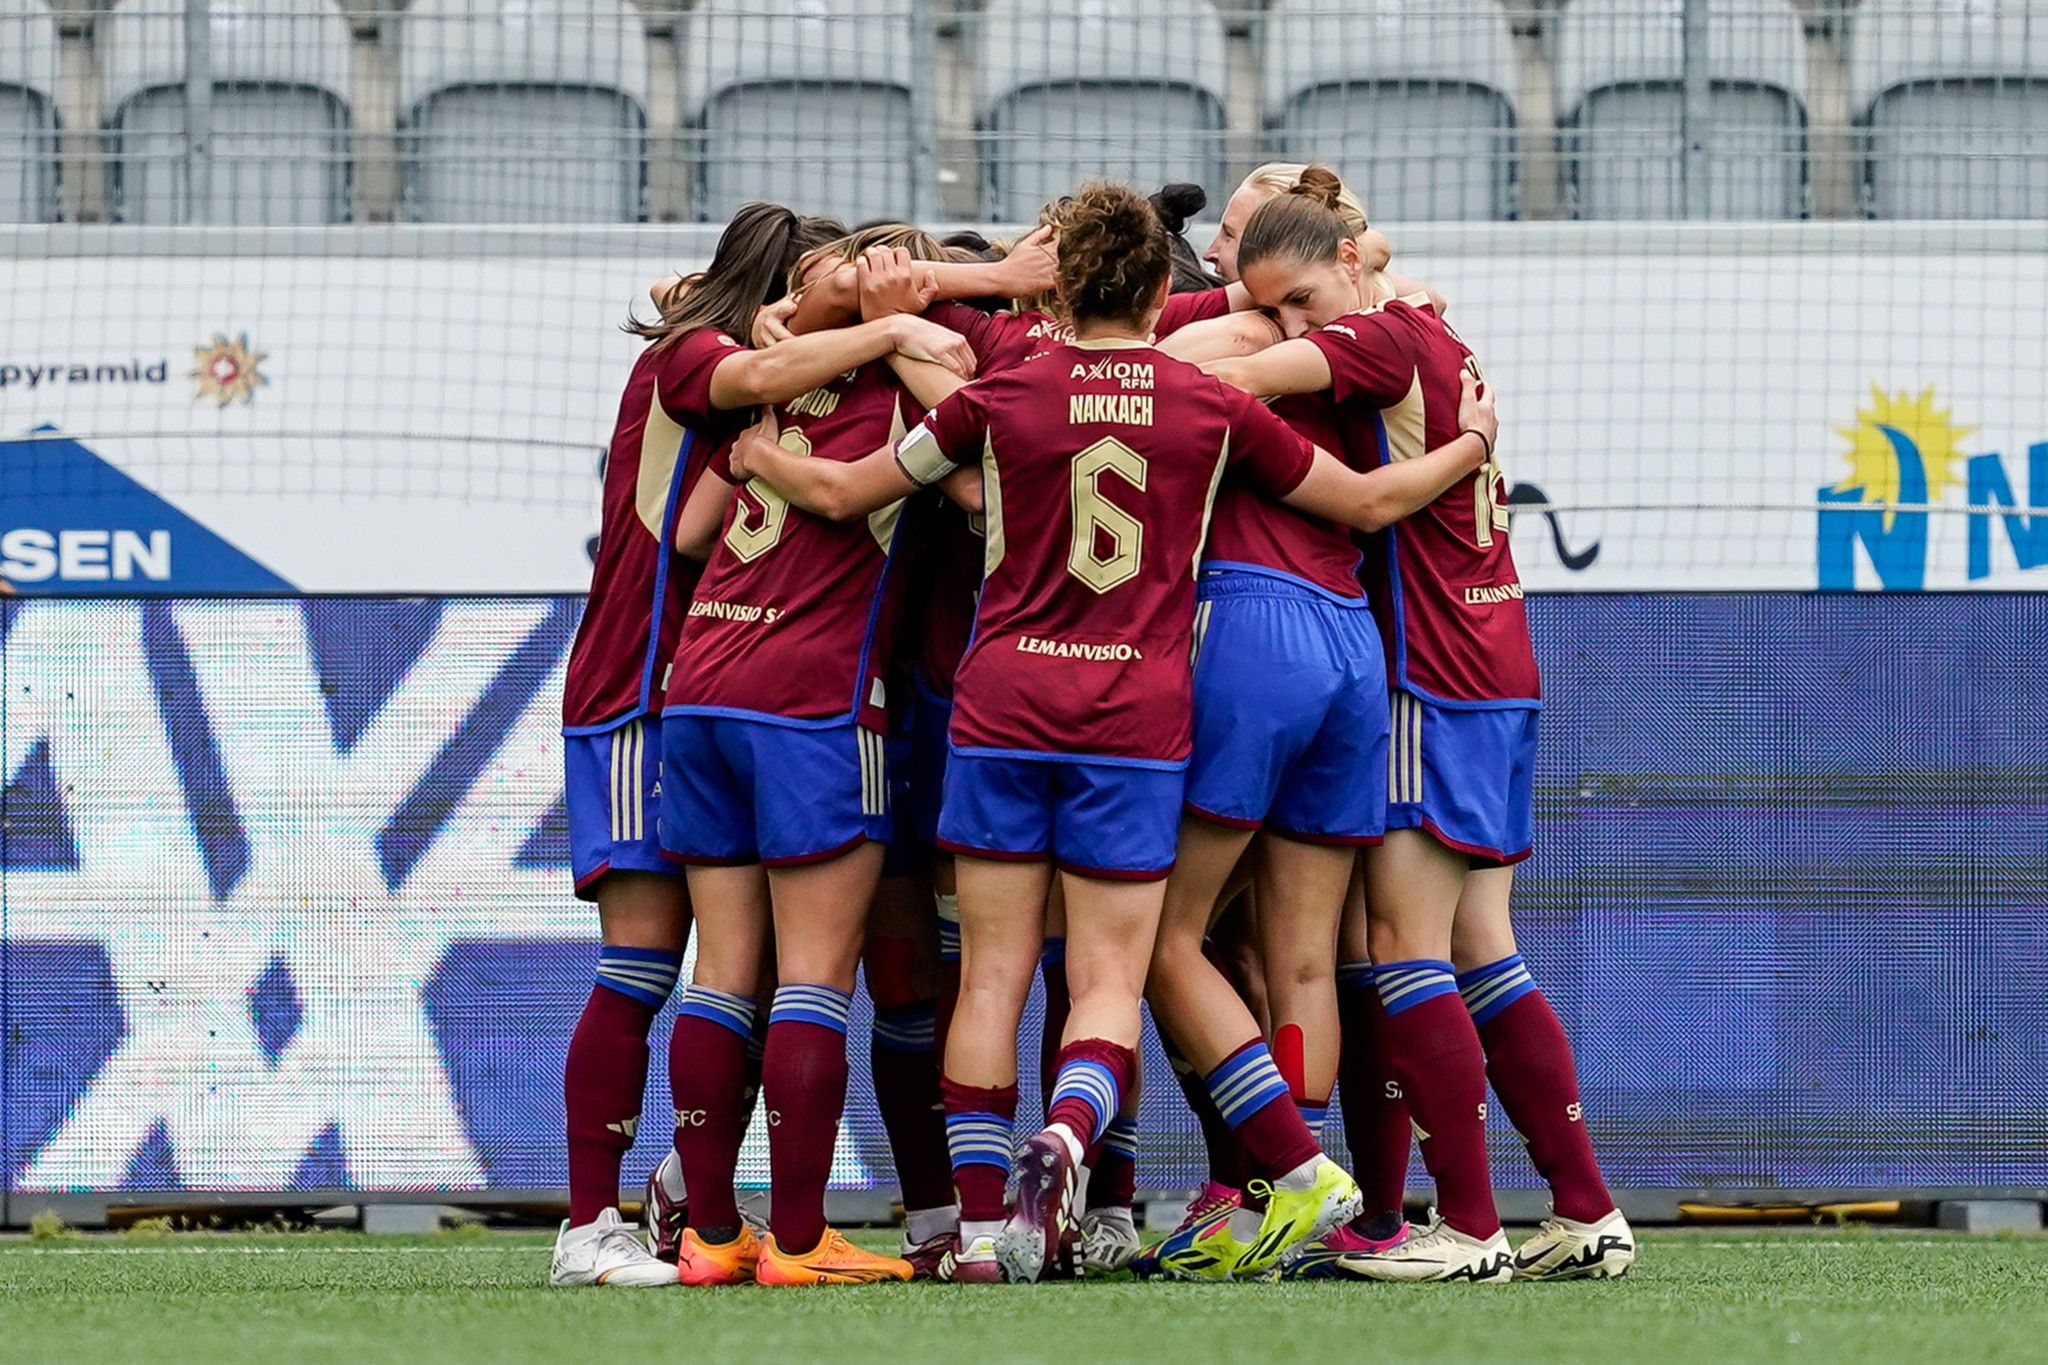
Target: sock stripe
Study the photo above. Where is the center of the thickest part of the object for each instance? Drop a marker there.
(647, 975)
(1352, 976)
(1091, 1082)
(1121, 1137)
(949, 940)
(1490, 989)
(1245, 1083)
(1404, 985)
(801, 1003)
(978, 1139)
(735, 1012)
(908, 1028)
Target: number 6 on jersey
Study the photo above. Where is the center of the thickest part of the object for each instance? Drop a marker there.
(1097, 518)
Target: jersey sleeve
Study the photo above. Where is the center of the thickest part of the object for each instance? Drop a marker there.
(1265, 451)
(984, 333)
(1182, 309)
(1369, 355)
(683, 380)
(950, 436)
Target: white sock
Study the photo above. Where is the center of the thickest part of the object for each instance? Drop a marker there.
(971, 1231)
(921, 1225)
(1301, 1177)
(1071, 1138)
(670, 1173)
(1245, 1223)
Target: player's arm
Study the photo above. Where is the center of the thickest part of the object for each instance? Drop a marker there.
(1403, 287)
(1375, 500)
(1028, 268)
(701, 514)
(833, 489)
(756, 378)
(1230, 336)
(1297, 366)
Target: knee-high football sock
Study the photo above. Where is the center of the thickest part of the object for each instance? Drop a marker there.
(904, 1061)
(1052, 969)
(1088, 1089)
(1529, 1061)
(606, 1074)
(1226, 1153)
(1255, 1102)
(1113, 1180)
(1443, 1076)
(707, 1072)
(1376, 1126)
(803, 1083)
(978, 1135)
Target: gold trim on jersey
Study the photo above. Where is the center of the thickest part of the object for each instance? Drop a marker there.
(1404, 750)
(1111, 344)
(1209, 499)
(882, 521)
(1407, 423)
(661, 440)
(992, 543)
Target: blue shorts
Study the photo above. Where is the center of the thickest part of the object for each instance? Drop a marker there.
(1095, 818)
(1290, 712)
(613, 789)
(1467, 777)
(742, 791)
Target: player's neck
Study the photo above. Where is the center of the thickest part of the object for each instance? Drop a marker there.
(1102, 330)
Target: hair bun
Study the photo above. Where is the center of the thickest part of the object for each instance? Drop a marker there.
(1177, 203)
(1321, 184)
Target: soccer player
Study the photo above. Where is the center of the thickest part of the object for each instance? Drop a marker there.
(1099, 465)
(1464, 709)
(664, 440)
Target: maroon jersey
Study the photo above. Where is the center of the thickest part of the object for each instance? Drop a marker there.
(1000, 340)
(1443, 582)
(1255, 533)
(791, 620)
(640, 585)
(1100, 463)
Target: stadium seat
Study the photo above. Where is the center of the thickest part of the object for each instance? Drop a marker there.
(28, 112)
(280, 117)
(524, 111)
(1620, 78)
(804, 102)
(1955, 98)
(1411, 99)
(1068, 90)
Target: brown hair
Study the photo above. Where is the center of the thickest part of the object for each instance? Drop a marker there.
(848, 247)
(1305, 223)
(747, 271)
(1113, 254)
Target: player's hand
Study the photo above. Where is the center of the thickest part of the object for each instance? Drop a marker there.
(771, 321)
(1033, 265)
(891, 282)
(666, 291)
(922, 340)
(762, 433)
(1476, 410)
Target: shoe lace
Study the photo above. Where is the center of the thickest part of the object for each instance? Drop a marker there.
(1259, 1190)
(623, 1240)
(1209, 1200)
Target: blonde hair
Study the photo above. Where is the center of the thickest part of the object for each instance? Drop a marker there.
(845, 250)
(1278, 177)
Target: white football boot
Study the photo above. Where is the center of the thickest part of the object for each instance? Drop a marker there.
(609, 1252)
(1109, 1239)
(664, 1216)
(1437, 1253)
(1562, 1249)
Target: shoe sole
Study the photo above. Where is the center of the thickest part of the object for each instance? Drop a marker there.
(1501, 1275)
(1044, 1199)
(1608, 1268)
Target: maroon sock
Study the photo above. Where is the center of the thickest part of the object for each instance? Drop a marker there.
(707, 1072)
(1226, 1155)
(1529, 1060)
(1088, 1088)
(1443, 1075)
(978, 1131)
(1113, 1179)
(803, 1083)
(602, 1087)
(1258, 1105)
(904, 1062)
(1052, 969)
(1376, 1127)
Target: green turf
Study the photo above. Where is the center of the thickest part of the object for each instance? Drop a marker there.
(1721, 1297)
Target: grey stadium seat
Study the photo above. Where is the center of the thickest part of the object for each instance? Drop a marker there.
(1955, 97)
(803, 102)
(280, 112)
(28, 112)
(1071, 90)
(524, 111)
(1620, 77)
(1413, 100)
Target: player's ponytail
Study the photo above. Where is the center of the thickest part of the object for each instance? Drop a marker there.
(747, 271)
(1113, 255)
(1304, 223)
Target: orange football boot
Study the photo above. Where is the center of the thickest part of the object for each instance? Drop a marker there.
(699, 1262)
(833, 1261)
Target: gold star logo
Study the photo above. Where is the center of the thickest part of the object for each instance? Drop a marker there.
(227, 370)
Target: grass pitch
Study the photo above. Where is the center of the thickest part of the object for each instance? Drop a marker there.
(1722, 1297)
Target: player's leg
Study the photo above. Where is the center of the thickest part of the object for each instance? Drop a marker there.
(1529, 1061)
(901, 966)
(1376, 1125)
(1052, 976)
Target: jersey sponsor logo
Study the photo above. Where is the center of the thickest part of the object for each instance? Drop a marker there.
(1903, 457)
(746, 613)
(1123, 409)
(1486, 594)
(1078, 649)
(1132, 374)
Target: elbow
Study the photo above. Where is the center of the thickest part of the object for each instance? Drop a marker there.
(1374, 515)
(697, 547)
(835, 504)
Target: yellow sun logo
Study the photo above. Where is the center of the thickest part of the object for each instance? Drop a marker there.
(1903, 449)
(226, 371)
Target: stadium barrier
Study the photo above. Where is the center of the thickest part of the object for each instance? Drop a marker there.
(284, 911)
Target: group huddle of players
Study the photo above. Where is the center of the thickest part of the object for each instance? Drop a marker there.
(964, 614)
